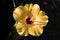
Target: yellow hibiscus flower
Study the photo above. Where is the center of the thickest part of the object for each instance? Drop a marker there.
(29, 20)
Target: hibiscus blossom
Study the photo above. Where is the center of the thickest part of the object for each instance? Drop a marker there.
(30, 20)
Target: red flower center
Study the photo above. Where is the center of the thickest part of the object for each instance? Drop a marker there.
(29, 21)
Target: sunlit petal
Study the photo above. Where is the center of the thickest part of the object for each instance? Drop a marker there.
(41, 19)
(35, 10)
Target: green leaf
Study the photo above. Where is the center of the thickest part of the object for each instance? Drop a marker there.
(14, 34)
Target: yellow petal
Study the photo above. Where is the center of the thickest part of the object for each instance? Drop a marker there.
(17, 13)
(41, 13)
(35, 10)
(30, 7)
(26, 33)
(35, 30)
(26, 7)
(31, 31)
(45, 20)
(42, 20)
(38, 30)
(20, 28)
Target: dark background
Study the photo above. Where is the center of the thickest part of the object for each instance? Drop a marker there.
(51, 7)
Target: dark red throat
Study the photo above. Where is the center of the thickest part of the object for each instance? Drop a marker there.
(28, 21)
